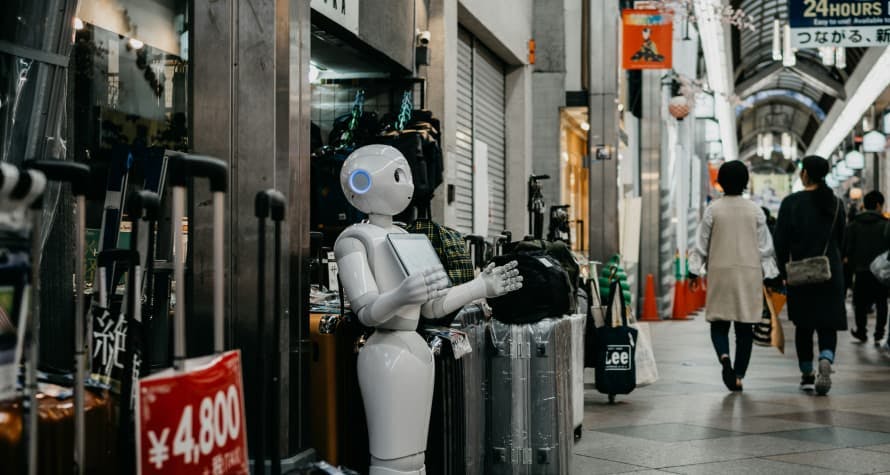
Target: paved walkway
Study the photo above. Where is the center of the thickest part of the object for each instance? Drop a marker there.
(689, 423)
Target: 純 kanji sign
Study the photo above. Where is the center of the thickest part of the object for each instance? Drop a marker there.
(846, 23)
(647, 40)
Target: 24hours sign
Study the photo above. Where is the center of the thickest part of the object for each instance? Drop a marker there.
(845, 23)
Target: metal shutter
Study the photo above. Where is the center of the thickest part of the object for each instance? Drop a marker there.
(489, 127)
(463, 178)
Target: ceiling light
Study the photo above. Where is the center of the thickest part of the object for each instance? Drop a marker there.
(855, 160)
(788, 57)
(761, 150)
(842, 170)
(786, 144)
(585, 126)
(777, 40)
(827, 54)
(840, 58)
(768, 145)
(832, 181)
(874, 142)
(136, 44)
(78, 24)
(874, 82)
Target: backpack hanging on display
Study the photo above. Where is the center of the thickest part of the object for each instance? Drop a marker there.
(546, 290)
(616, 348)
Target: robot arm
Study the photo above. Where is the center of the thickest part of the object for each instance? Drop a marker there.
(372, 307)
(492, 282)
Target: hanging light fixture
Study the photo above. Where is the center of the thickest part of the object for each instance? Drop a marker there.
(786, 144)
(874, 142)
(840, 58)
(788, 57)
(827, 54)
(885, 121)
(832, 181)
(855, 160)
(843, 171)
(777, 40)
(768, 145)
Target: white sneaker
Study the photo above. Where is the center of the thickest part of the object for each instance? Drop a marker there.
(823, 378)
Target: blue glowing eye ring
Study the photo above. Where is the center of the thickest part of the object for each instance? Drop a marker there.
(352, 184)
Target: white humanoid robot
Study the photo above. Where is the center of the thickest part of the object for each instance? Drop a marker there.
(395, 366)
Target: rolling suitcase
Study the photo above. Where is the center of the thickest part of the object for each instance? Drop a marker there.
(472, 321)
(268, 204)
(204, 393)
(529, 398)
(579, 327)
(453, 441)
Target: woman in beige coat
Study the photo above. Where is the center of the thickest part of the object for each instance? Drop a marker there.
(735, 248)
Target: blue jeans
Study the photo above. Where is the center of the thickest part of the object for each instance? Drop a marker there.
(744, 341)
(803, 341)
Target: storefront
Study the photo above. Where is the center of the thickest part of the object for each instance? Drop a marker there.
(574, 176)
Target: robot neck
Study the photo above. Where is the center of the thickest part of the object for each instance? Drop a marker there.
(382, 220)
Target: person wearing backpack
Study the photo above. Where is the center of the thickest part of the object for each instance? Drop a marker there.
(734, 246)
(863, 241)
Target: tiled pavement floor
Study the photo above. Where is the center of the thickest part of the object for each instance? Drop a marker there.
(689, 423)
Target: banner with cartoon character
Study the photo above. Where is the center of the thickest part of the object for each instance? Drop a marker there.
(648, 38)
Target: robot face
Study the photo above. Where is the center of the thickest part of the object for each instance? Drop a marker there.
(377, 179)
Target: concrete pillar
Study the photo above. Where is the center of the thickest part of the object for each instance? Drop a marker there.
(442, 91)
(603, 73)
(520, 135)
(250, 61)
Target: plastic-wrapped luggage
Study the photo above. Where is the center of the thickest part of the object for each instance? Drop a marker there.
(579, 327)
(455, 444)
(530, 414)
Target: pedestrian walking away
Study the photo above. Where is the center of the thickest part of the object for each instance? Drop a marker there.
(735, 248)
(863, 241)
(809, 233)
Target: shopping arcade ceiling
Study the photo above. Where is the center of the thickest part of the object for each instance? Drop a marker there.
(777, 98)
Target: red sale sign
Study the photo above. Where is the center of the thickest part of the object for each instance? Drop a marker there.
(193, 422)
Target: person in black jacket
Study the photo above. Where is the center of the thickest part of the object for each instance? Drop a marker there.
(865, 241)
(811, 224)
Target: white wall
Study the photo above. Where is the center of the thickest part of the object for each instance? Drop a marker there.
(505, 26)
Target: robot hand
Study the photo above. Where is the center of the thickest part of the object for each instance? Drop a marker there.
(420, 288)
(501, 280)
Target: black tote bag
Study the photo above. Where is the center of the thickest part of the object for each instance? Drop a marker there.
(616, 372)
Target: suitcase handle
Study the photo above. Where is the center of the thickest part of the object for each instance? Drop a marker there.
(64, 171)
(22, 185)
(269, 202)
(182, 166)
(143, 205)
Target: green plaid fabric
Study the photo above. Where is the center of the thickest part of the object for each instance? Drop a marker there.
(450, 247)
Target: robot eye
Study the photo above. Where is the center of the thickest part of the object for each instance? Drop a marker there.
(398, 175)
(360, 181)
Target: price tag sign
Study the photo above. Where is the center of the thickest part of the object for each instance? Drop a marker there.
(193, 422)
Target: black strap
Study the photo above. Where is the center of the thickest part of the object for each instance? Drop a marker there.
(831, 230)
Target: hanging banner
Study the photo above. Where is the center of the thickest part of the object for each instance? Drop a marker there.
(845, 23)
(647, 40)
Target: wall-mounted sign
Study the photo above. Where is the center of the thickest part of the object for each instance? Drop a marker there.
(648, 39)
(847, 23)
(342, 12)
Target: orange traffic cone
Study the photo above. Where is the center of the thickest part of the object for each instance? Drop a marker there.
(680, 310)
(650, 306)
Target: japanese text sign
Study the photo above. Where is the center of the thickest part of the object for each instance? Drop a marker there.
(648, 39)
(845, 23)
(193, 422)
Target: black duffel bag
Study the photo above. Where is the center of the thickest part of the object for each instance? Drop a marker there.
(546, 290)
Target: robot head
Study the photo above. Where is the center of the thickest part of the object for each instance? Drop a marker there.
(377, 179)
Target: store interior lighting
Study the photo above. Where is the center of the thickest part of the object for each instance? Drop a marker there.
(874, 83)
(855, 160)
(716, 48)
(78, 24)
(136, 44)
(585, 126)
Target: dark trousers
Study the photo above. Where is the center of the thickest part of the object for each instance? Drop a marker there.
(744, 340)
(803, 341)
(867, 291)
